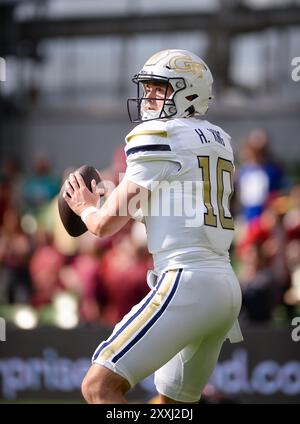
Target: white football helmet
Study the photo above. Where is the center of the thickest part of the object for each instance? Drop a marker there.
(189, 77)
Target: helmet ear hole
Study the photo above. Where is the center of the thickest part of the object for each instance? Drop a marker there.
(192, 97)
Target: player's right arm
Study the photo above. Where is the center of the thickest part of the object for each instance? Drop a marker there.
(116, 211)
(149, 160)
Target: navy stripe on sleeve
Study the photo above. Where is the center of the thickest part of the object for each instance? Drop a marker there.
(148, 148)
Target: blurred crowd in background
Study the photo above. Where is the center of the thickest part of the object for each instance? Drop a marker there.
(50, 278)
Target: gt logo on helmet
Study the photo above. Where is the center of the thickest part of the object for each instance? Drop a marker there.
(185, 64)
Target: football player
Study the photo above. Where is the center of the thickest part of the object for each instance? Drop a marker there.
(176, 157)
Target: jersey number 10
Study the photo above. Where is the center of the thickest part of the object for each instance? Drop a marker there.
(210, 217)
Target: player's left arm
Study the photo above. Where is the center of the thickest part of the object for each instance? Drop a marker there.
(115, 212)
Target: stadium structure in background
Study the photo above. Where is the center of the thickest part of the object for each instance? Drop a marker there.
(71, 66)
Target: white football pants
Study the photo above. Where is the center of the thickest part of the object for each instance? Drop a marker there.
(176, 331)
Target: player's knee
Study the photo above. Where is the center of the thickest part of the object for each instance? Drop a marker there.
(101, 385)
(93, 391)
(86, 390)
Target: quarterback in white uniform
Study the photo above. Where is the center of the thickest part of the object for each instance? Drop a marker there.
(182, 168)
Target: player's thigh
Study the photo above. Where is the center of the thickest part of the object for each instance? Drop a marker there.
(151, 334)
(186, 374)
(183, 306)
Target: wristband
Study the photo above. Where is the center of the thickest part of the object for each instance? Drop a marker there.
(87, 211)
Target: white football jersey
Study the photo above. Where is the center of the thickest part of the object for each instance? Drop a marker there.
(187, 163)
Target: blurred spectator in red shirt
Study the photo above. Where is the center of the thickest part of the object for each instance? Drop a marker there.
(5, 198)
(81, 276)
(45, 265)
(264, 273)
(15, 250)
(292, 218)
(123, 271)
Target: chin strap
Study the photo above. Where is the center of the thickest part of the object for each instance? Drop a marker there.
(150, 114)
(189, 111)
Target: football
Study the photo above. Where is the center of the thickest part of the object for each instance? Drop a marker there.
(72, 222)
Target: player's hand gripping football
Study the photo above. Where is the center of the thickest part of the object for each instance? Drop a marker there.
(78, 196)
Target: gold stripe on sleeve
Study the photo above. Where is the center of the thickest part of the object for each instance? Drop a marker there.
(147, 132)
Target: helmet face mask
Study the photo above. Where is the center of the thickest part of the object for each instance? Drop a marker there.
(186, 73)
(136, 105)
